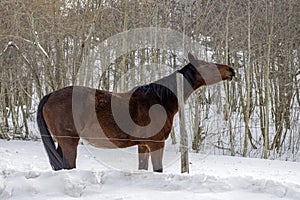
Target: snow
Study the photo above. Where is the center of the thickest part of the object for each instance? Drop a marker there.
(111, 174)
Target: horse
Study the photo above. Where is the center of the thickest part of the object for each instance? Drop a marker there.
(142, 116)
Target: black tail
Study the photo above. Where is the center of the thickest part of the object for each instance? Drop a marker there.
(55, 157)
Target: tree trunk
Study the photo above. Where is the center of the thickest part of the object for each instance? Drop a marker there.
(183, 135)
(266, 85)
(226, 84)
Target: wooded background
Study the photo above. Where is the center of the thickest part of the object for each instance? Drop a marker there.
(44, 44)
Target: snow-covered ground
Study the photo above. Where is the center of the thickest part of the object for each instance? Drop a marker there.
(111, 175)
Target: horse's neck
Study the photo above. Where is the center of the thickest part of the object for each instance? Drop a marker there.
(190, 84)
(190, 80)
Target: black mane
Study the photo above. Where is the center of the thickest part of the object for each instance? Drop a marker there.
(165, 89)
(189, 72)
(159, 91)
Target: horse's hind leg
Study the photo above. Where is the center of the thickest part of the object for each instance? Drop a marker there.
(143, 157)
(68, 148)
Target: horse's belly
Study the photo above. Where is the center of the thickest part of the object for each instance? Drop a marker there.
(106, 144)
(96, 137)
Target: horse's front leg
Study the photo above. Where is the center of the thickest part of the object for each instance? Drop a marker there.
(143, 157)
(157, 150)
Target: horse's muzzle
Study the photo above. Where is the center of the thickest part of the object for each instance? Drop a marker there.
(231, 73)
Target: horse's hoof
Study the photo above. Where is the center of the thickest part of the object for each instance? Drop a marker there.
(158, 170)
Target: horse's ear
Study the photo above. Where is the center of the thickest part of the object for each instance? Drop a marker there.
(191, 58)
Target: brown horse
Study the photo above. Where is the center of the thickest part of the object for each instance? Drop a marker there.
(142, 116)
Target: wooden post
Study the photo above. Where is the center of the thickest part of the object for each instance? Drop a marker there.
(183, 135)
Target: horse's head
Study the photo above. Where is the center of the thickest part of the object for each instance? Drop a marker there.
(210, 73)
